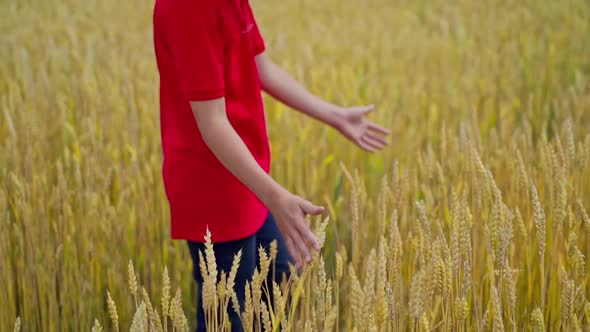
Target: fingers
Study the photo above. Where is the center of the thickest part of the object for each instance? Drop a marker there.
(373, 142)
(365, 146)
(307, 235)
(293, 250)
(297, 243)
(309, 208)
(377, 138)
(377, 128)
(302, 247)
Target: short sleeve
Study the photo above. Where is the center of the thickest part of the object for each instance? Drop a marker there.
(256, 38)
(197, 48)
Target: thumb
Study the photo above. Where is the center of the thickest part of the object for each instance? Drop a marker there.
(310, 208)
(362, 110)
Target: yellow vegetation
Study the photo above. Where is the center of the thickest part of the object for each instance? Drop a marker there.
(476, 218)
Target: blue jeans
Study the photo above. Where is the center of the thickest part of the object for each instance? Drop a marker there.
(224, 255)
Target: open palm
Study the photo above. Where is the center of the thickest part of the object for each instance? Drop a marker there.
(354, 125)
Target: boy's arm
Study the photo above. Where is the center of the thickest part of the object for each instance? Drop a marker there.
(289, 210)
(282, 86)
(351, 121)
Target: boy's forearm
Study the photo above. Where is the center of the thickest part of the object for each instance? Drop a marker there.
(283, 87)
(230, 150)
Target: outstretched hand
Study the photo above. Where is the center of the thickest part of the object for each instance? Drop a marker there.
(352, 124)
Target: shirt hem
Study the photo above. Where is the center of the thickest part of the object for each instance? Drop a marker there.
(236, 235)
(201, 95)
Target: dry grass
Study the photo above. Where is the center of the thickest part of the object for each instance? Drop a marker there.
(475, 218)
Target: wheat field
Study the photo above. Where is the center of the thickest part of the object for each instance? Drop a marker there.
(476, 218)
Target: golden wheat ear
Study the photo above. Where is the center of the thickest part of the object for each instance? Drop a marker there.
(17, 324)
(165, 297)
(113, 312)
(96, 327)
(132, 282)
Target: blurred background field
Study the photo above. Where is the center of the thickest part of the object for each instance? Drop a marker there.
(489, 104)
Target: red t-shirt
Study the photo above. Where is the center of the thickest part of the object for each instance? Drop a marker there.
(205, 49)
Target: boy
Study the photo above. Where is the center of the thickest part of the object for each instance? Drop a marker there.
(212, 66)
